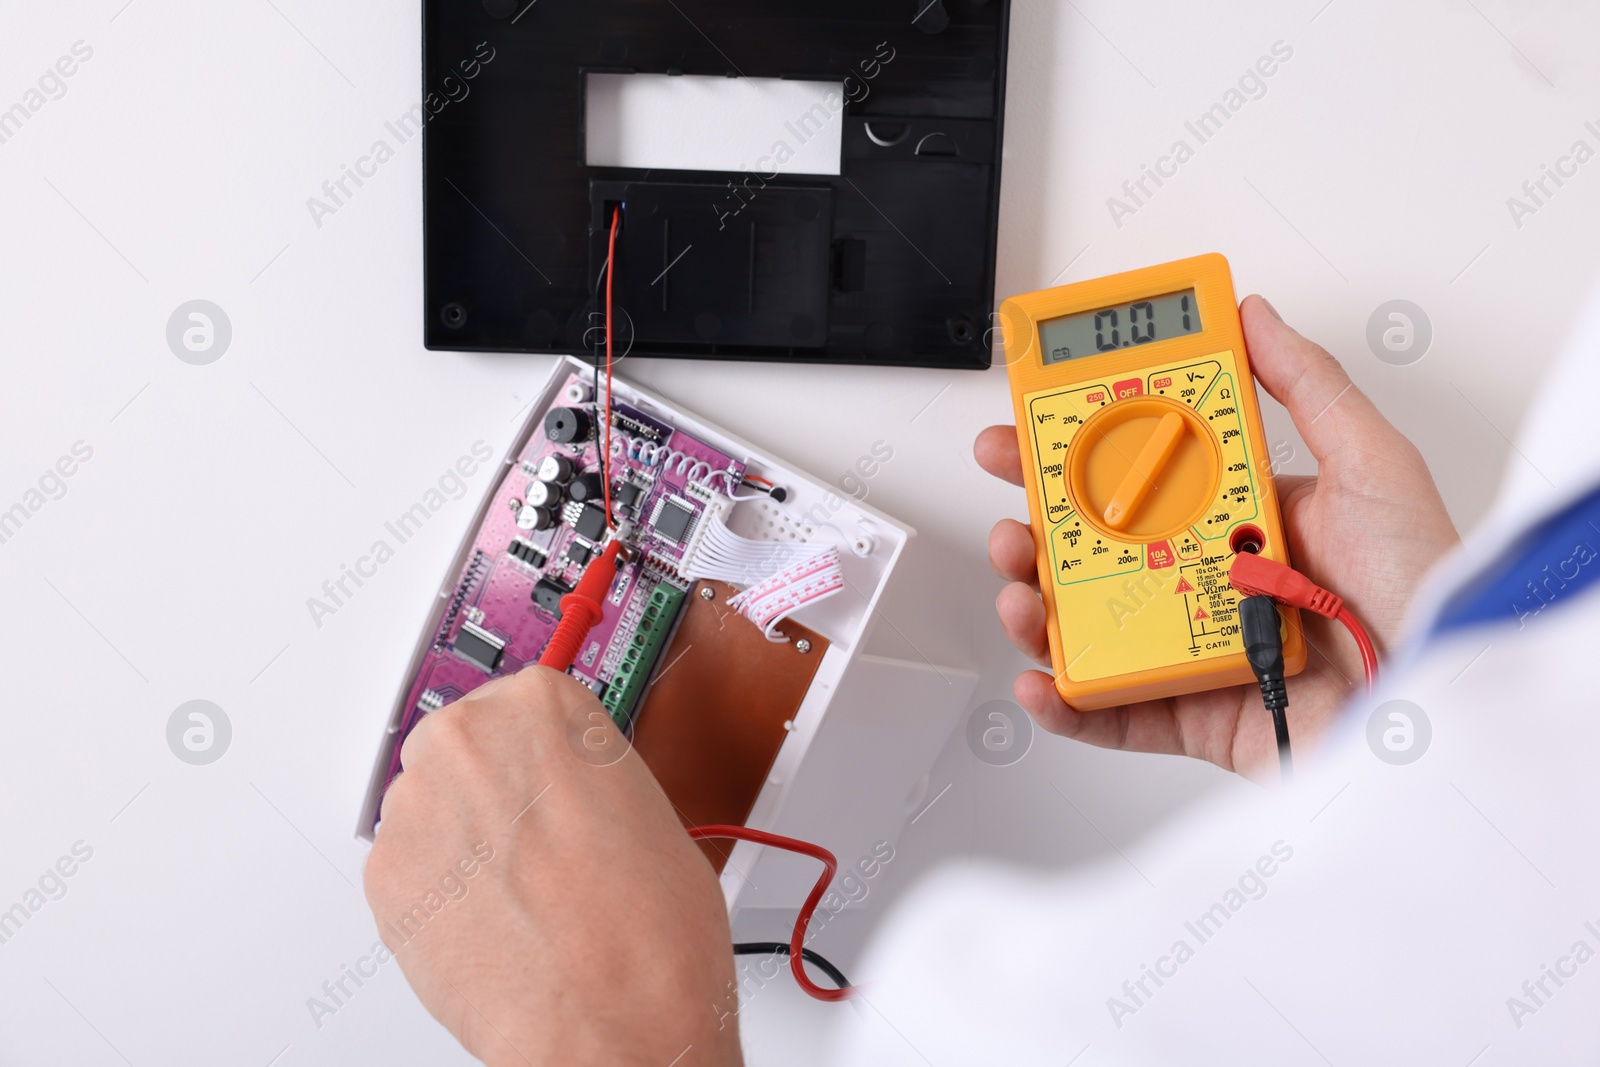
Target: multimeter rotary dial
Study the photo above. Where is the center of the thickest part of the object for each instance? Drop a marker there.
(1143, 469)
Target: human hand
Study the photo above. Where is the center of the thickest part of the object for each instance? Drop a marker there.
(543, 908)
(1367, 526)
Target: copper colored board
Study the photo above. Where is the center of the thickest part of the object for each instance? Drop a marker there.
(712, 721)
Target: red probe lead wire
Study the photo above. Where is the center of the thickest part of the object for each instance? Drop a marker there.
(1254, 575)
(1369, 653)
(584, 606)
(605, 458)
(797, 939)
(580, 610)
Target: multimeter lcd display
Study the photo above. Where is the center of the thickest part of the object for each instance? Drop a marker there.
(1090, 333)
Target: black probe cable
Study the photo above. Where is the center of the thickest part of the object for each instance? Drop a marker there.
(781, 948)
(1263, 647)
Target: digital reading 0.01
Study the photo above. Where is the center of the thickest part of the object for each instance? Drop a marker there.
(1107, 329)
(1147, 474)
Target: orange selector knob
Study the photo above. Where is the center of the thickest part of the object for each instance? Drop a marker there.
(1143, 469)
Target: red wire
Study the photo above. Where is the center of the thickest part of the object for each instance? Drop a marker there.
(701, 832)
(797, 939)
(582, 608)
(1369, 654)
(738, 833)
(605, 460)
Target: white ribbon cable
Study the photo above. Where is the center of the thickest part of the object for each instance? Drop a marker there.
(806, 582)
(726, 556)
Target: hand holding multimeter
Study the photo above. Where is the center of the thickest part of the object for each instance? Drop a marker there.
(1139, 444)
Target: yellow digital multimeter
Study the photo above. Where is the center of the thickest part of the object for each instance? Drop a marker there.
(1146, 471)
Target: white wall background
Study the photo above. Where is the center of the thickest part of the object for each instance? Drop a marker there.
(177, 564)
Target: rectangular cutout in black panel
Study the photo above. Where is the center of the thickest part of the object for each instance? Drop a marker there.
(897, 267)
(700, 123)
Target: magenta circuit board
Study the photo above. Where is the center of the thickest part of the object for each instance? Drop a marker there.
(543, 522)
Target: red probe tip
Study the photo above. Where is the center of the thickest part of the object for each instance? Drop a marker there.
(581, 609)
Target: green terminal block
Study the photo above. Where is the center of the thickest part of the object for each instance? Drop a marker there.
(634, 670)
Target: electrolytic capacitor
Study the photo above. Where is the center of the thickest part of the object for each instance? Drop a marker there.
(533, 518)
(544, 494)
(555, 468)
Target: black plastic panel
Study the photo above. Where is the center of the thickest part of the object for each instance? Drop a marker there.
(895, 266)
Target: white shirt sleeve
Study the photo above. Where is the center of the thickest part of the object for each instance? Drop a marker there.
(1373, 914)
(1445, 910)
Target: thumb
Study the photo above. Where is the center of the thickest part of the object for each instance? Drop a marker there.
(1327, 408)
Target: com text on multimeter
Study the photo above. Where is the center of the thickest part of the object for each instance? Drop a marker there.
(1146, 471)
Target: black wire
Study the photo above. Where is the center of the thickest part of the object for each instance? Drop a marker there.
(781, 948)
(776, 492)
(1280, 726)
(1263, 647)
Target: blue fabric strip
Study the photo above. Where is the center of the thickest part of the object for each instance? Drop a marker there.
(1551, 565)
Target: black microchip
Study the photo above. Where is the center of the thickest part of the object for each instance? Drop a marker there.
(591, 523)
(482, 653)
(628, 495)
(579, 553)
(547, 594)
(672, 522)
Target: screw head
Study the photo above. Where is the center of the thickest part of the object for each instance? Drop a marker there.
(802, 645)
(707, 593)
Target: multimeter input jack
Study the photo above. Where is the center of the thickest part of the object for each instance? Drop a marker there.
(1247, 539)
